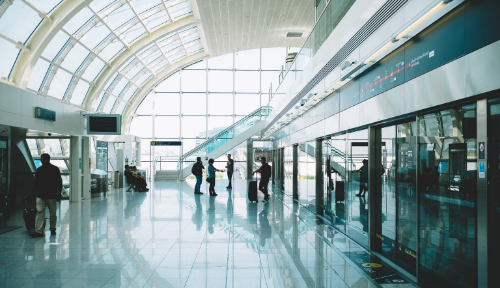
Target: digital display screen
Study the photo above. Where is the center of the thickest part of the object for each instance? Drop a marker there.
(103, 124)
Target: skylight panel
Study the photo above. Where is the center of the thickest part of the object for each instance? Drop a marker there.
(19, 21)
(143, 5)
(95, 35)
(160, 66)
(99, 99)
(55, 45)
(93, 69)
(75, 58)
(180, 10)
(171, 46)
(144, 78)
(111, 50)
(195, 48)
(37, 74)
(79, 93)
(156, 20)
(109, 105)
(138, 67)
(120, 108)
(178, 56)
(133, 33)
(59, 84)
(119, 87)
(129, 93)
(7, 57)
(125, 66)
(119, 17)
(45, 5)
(153, 57)
(78, 20)
(116, 77)
(99, 5)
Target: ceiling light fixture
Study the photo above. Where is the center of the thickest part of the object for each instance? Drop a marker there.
(409, 29)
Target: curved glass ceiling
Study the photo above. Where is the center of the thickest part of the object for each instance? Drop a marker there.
(76, 56)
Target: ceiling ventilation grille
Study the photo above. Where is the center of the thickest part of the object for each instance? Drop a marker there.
(294, 34)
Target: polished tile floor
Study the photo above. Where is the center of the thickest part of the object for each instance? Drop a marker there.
(170, 237)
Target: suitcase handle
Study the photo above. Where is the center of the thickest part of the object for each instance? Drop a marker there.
(32, 201)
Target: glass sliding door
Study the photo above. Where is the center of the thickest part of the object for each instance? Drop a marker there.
(288, 167)
(397, 219)
(356, 184)
(447, 190)
(307, 174)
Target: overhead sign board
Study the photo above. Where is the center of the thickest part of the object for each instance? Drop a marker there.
(166, 143)
(45, 114)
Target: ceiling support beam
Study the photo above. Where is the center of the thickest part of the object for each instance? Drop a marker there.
(122, 58)
(42, 36)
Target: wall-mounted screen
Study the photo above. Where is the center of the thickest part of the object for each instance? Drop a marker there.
(104, 124)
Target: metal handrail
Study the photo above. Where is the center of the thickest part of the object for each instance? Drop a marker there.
(260, 112)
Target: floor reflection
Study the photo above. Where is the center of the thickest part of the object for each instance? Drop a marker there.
(170, 237)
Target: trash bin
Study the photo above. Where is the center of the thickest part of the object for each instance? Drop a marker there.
(116, 179)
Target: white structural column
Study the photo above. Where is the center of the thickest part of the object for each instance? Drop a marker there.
(75, 152)
(86, 167)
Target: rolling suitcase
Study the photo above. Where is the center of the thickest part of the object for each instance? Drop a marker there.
(252, 191)
(29, 215)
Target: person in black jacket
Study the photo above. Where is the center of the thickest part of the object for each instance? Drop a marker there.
(47, 188)
(197, 171)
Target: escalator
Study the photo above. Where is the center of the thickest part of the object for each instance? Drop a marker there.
(226, 140)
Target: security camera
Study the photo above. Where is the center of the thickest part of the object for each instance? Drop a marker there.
(83, 113)
(302, 102)
(50, 134)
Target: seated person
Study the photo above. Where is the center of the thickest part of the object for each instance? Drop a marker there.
(140, 182)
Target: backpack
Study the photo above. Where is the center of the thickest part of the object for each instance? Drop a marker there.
(266, 171)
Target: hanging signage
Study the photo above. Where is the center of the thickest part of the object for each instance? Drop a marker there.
(45, 114)
(102, 144)
(166, 143)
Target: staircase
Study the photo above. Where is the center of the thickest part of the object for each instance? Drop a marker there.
(166, 175)
(219, 144)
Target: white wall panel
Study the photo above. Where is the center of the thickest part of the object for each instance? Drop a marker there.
(483, 70)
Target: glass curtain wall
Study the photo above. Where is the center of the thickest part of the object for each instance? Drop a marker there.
(203, 99)
(307, 174)
(288, 166)
(448, 177)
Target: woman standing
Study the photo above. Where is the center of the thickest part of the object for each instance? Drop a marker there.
(211, 177)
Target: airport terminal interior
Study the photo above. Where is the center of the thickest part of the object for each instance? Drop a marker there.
(341, 143)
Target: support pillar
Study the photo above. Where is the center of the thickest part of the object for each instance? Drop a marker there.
(482, 195)
(76, 169)
(86, 167)
(249, 159)
(282, 169)
(295, 173)
(318, 155)
(374, 186)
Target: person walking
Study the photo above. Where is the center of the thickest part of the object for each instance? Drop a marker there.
(363, 179)
(197, 171)
(47, 189)
(230, 166)
(265, 174)
(211, 177)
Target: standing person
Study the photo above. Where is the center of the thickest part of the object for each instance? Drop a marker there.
(211, 177)
(230, 165)
(265, 174)
(47, 189)
(363, 179)
(197, 171)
